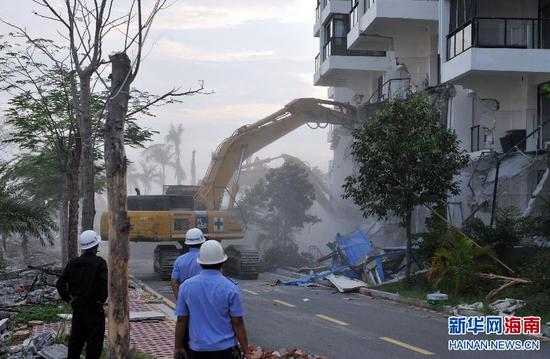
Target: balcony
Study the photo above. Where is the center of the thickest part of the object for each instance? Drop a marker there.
(388, 17)
(325, 8)
(337, 66)
(493, 45)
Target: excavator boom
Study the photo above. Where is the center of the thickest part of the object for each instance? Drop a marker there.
(251, 138)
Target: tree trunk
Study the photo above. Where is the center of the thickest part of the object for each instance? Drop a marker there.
(25, 249)
(2, 263)
(119, 226)
(408, 254)
(74, 197)
(87, 154)
(64, 220)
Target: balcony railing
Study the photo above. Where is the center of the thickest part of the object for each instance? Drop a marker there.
(518, 33)
(354, 13)
(391, 89)
(338, 46)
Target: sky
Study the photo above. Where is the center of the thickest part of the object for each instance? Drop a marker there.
(254, 55)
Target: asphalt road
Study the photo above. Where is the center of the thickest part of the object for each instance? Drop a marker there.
(339, 326)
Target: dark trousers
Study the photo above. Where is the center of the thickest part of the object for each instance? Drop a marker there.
(231, 353)
(89, 328)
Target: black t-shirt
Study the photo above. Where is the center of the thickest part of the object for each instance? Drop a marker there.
(84, 282)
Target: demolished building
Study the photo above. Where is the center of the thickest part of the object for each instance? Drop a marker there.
(487, 64)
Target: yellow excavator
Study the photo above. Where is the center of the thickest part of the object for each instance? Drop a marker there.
(211, 205)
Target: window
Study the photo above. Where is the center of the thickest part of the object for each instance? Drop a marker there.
(462, 11)
(181, 224)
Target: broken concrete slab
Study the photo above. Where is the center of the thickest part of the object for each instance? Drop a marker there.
(150, 315)
(4, 324)
(166, 310)
(507, 306)
(56, 351)
(345, 284)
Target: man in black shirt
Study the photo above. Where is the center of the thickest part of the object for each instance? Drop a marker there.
(84, 285)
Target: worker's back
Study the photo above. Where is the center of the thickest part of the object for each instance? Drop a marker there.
(210, 300)
(84, 282)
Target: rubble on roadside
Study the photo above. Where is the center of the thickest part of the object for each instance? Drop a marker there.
(355, 262)
(501, 307)
(40, 346)
(291, 353)
(21, 288)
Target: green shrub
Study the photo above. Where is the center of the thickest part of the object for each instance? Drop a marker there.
(539, 225)
(454, 267)
(539, 272)
(507, 232)
(438, 235)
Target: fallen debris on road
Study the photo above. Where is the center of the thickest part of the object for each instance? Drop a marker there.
(261, 353)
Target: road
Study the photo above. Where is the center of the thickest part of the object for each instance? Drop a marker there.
(339, 326)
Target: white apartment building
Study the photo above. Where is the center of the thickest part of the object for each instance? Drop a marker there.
(487, 59)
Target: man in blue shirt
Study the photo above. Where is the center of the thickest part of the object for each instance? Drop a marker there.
(211, 304)
(186, 265)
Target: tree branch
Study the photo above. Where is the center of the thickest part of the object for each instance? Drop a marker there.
(172, 93)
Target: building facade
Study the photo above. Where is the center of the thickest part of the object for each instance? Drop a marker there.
(490, 58)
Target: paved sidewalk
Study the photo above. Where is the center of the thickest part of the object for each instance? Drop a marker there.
(153, 337)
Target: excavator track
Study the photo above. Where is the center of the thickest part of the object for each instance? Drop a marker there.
(165, 256)
(243, 262)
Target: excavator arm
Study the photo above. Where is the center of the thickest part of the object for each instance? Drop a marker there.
(249, 139)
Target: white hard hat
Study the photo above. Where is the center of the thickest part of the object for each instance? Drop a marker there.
(89, 239)
(211, 253)
(194, 236)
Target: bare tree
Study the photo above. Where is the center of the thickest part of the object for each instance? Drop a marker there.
(85, 26)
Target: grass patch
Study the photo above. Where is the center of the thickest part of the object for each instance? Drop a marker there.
(418, 288)
(45, 313)
(537, 303)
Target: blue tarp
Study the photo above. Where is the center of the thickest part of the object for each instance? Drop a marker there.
(355, 247)
(304, 281)
(350, 261)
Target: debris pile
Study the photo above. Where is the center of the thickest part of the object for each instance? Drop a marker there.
(292, 353)
(24, 346)
(21, 288)
(502, 307)
(355, 263)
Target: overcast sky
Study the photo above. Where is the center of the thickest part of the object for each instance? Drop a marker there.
(256, 55)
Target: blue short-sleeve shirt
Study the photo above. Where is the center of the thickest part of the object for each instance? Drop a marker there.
(186, 266)
(210, 300)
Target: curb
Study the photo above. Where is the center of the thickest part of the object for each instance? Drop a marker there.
(379, 294)
(165, 300)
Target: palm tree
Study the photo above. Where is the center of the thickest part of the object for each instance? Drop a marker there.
(454, 266)
(174, 137)
(160, 154)
(20, 216)
(149, 174)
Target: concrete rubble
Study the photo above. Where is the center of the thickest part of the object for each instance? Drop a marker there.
(502, 307)
(291, 353)
(20, 288)
(506, 306)
(41, 346)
